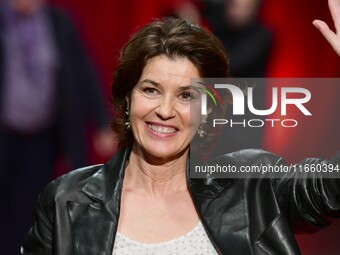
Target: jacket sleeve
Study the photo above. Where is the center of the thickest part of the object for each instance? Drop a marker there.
(39, 238)
(310, 201)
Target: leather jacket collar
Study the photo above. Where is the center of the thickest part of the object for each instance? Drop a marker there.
(94, 225)
(103, 214)
(112, 175)
(225, 215)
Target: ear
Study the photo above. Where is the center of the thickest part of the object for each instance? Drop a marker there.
(127, 99)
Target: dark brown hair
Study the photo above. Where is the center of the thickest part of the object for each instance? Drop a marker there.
(174, 38)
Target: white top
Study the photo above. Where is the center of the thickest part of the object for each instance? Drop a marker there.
(195, 242)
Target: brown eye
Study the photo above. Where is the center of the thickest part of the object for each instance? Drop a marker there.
(185, 96)
(149, 90)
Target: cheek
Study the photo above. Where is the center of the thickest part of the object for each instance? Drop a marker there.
(141, 106)
(186, 117)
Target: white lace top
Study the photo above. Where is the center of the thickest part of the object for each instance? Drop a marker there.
(194, 242)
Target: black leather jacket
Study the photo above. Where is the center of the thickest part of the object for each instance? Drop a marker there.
(78, 213)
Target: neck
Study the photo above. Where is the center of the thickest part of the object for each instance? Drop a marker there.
(155, 176)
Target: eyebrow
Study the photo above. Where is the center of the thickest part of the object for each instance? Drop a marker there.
(157, 84)
(151, 82)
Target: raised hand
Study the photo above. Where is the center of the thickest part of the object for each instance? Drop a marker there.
(332, 37)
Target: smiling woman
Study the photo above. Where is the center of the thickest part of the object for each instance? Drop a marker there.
(172, 38)
(162, 126)
(144, 201)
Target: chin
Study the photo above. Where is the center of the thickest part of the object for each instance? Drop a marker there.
(164, 152)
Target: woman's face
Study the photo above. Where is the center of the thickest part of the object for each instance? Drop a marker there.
(160, 107)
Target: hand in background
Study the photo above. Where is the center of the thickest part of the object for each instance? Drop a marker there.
(331, 37)
(105, 143)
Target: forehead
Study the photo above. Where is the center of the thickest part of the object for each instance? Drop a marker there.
(163, 69)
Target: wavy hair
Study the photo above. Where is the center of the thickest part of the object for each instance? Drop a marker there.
(175, 38)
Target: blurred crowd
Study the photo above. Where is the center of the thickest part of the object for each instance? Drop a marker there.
(49, 91)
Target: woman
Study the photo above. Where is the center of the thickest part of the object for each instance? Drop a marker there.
(142, 201)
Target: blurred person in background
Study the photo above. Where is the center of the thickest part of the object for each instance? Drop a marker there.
(48, 90)
(248, 43)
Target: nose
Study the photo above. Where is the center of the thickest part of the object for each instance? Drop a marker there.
(165, 110)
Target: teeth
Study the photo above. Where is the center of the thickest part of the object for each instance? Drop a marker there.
(162, 130)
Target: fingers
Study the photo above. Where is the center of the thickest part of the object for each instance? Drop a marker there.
(325, 30)
(330, 36)
(334, 7)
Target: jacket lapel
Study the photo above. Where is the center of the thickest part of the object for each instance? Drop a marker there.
(92, 228)
(94, 224)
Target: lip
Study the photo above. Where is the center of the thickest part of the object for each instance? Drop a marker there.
(161, 135)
